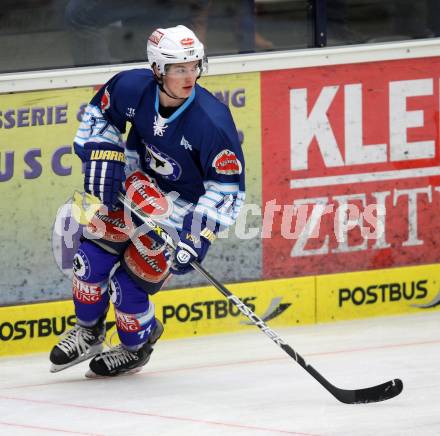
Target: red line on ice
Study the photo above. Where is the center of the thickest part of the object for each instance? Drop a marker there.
(227, 364)
(154, 415)
(58, 430)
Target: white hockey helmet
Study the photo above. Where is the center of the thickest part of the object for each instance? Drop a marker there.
(175, 45)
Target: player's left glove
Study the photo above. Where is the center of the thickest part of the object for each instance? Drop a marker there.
(193, 245)
(104, 171)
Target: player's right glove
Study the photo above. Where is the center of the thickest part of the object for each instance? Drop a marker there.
(104, 171)
(193, 245)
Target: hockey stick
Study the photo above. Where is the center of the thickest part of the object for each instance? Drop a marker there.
(373, 394)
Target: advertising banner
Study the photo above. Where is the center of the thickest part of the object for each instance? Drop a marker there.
(391, 291)
(351, 167)
(39, 173)
(199, 311)
(184, 313)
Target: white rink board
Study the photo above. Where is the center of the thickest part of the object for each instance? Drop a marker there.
(240, 384)
(279, 60)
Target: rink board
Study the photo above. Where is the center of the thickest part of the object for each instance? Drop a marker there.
(184, 313)
(377, 292)
(281, 303)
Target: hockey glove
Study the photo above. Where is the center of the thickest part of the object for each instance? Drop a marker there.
(104, 172)
(192, 246)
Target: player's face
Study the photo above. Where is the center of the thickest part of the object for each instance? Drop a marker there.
(180, 79)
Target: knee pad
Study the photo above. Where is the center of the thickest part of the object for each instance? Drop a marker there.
(125, 294)
(146, 263)
(111, 232)
(92, 263)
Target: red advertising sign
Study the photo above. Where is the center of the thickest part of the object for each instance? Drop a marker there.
(351, 167)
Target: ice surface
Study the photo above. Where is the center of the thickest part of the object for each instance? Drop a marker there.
(240, 384)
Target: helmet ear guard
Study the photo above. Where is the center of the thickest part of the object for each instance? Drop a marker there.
(175, 45)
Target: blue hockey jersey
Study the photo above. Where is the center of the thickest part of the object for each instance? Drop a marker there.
(195, 152)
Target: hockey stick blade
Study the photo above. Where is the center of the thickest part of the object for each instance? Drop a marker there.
(373, 394)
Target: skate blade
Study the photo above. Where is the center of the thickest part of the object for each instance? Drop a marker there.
(90, 374)
(57, 368)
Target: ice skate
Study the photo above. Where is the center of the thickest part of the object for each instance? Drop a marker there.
(77, 345)
(120, 361)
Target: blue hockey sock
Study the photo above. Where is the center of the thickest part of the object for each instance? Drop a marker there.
(91, 267)
(134, 312)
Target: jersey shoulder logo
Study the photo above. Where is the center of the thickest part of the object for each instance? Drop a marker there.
(105, 100)
(226, 162)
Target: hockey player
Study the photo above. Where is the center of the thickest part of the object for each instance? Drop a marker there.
(186, 141)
